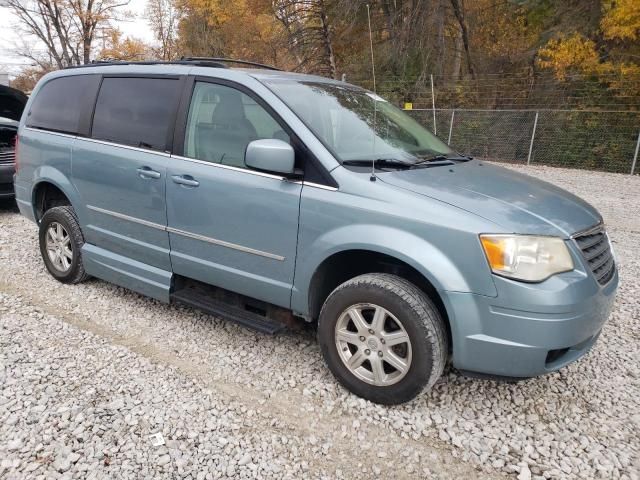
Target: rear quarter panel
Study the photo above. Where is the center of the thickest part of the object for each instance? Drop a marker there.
(43, 157)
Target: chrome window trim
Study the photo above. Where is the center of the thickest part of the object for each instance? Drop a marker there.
(57, 134)
(193, 160)
(184, 233)
(253, 172)
(100, 142)
(318, 185)
(229, 167)
(126, 147)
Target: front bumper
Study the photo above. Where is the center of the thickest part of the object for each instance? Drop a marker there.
(529, 329)
(6, 180)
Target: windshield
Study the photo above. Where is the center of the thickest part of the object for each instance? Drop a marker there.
(356, 124)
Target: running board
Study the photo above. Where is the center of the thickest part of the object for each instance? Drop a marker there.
(203, 300)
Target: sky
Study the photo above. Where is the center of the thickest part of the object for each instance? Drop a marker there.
(9, 62)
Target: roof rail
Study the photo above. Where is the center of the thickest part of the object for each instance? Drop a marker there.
(197, 61)
(228, 60)
(106, 63)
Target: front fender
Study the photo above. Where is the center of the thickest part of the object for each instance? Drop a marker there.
(411, 249)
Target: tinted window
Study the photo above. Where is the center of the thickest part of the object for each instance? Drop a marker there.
(135, 111)
(59, 103)
(222, 121)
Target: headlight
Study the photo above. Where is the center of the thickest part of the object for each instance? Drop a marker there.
(526, 257)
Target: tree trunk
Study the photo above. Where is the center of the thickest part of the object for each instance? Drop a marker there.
(457, 57)
(458, 10)
(326, 39)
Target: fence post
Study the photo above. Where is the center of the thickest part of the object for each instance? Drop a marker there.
(635, 156)
(453, 114)
(533, 135)
(433, 106)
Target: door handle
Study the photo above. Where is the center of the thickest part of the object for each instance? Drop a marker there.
(186, 180)
(146, 172)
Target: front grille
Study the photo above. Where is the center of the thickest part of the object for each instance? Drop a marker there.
(7, 157)
(596, 250)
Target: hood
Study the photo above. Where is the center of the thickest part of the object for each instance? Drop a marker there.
(12, 102)
(518, 203)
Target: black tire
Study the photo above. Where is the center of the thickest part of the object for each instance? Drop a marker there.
(66, 217)
(420, 319)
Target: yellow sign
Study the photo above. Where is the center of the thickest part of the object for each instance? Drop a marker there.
(408, 106)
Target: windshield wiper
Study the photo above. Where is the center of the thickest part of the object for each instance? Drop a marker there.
(379, 162)
(442, 159)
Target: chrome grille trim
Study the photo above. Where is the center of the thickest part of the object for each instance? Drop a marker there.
(7, 157)
(596, 250)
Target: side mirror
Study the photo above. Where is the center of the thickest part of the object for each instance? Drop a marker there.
(270, 155)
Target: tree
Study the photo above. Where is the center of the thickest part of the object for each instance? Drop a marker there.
(621, 19)
(607, 52)
(67, 28)
(164, 19)
(26, 80)
(245, 29)
(309, 33)
(458, 10)
(123, 49)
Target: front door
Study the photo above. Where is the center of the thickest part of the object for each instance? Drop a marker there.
(228, 225)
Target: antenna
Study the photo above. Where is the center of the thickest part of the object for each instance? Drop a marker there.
(373, 64)
(375, 101)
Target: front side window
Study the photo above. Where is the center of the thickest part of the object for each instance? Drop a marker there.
(356, 124)
(59, 103)
(223, 121)
(136, 111)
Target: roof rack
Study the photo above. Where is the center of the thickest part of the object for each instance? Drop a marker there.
(193, 61)
(228, 60)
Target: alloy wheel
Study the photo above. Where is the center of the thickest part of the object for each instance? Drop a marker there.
(373, 344)
(58, 246)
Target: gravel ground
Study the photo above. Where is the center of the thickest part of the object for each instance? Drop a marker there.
(89, 372)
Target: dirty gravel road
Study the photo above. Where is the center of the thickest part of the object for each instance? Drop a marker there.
(89, 372)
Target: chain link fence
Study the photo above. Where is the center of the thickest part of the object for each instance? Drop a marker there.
(577, 121)
(595, 140)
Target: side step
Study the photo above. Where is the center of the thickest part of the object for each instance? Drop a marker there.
(203, 299)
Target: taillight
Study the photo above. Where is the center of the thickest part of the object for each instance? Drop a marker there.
(15, 145)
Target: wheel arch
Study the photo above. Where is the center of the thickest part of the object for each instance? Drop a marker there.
(344, 265)
(52, 189)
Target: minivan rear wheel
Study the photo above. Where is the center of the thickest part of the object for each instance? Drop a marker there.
(61, 241)
(382, 338)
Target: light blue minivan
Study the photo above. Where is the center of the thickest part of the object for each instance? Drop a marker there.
(268, 197)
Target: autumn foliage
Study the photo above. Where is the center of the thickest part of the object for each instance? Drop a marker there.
(460, 42)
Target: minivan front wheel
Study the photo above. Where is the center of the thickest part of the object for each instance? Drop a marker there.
(60, 243)
(382, 338)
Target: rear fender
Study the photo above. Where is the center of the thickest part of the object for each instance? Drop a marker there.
(49, 174)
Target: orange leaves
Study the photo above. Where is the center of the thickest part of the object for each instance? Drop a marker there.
(128, 48)
(573, 53)
(621, 19)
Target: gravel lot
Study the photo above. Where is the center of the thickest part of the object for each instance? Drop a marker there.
(89, 372)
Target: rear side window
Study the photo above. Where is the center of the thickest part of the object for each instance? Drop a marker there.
(60, 102)
(136, 111)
